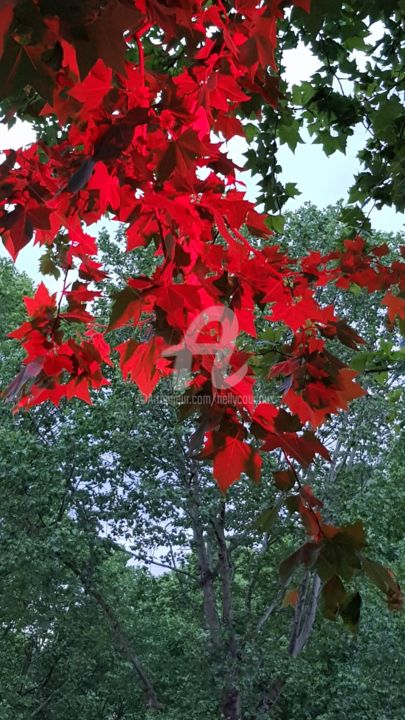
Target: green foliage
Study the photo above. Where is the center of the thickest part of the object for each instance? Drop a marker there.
(358, 84)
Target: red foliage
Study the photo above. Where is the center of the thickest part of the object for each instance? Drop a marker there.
(135, 142)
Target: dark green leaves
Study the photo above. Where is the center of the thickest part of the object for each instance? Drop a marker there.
(267, 518)
(290, 134)
(357, 87)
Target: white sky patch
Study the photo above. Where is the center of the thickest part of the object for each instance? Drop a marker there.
(299, 64)
(19, 135)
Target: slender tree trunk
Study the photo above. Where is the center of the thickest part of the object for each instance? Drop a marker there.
(221, 631)
(203, 560)
(304, 615)
(231, 701)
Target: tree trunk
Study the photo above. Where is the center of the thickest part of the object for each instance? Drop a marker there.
(231, 703)
(304, 615)
(204, 566)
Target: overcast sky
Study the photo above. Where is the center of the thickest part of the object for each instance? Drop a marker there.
(322, 180)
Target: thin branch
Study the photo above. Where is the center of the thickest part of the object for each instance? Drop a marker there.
(170, 567)
(120, 638)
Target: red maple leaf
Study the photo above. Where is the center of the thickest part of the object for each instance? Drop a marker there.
(143, 363)
(231, 457)
(395, 305)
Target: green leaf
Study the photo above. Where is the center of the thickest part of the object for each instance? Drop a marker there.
(302, 94)
(291, 190)
(331, 143)
(267, 518)
(289, 134)
(275, 223)
(395, 395)
(355, 43)
(251, 131)
(385, 116)
(355, 289)
(47, 266)
(360, 361)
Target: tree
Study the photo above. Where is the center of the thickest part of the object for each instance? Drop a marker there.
(132, 138)
(87, 488)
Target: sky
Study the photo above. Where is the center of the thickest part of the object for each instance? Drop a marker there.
(322, 180)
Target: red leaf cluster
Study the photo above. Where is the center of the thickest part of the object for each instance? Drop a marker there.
(148, 147)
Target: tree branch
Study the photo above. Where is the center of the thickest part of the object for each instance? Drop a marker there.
(120, 638)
